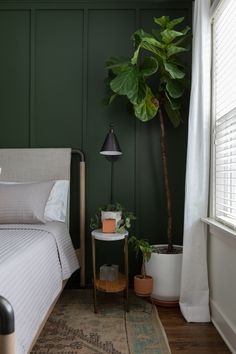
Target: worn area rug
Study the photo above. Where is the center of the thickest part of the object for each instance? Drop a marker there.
(73, 327)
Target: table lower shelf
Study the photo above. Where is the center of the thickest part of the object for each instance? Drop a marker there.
(112, 286)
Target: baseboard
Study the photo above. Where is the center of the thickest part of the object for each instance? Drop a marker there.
(224, 326)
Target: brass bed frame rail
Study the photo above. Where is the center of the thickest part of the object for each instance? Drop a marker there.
(82, 215)
(7, 323)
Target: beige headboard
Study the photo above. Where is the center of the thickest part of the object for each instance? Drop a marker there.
(33, 165)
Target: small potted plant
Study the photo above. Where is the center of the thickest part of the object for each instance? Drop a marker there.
(143, 283)
(113, 211)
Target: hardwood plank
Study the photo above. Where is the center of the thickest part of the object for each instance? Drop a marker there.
(190, 338)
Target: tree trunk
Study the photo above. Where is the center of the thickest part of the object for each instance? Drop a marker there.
(166, 182)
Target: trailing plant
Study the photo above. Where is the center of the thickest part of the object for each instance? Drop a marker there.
(142, 246)
(127, 217)
(130, 77)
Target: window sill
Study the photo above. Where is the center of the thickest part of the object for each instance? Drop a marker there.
(220, 229)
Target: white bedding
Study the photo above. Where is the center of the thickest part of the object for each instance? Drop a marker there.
(34, 260)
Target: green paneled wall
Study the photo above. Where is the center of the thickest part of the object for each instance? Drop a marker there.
(51, 91)
(14, 78)
(58, 78)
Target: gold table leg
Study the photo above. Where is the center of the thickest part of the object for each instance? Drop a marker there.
(94, 274)
(126, 274)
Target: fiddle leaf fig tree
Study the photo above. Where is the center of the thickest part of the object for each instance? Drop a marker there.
(156, 57)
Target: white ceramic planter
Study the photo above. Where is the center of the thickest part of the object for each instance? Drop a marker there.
(166, 272)
(111, 215)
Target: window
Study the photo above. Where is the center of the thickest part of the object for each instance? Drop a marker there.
(224, 112)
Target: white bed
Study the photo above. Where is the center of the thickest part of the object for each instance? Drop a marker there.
(35, 259)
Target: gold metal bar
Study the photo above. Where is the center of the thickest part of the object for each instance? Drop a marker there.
(94, 273)
(82, 215)
(127, 273)
(7, 343)
(82, 223)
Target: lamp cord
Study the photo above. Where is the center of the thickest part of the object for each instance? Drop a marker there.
(112, 177)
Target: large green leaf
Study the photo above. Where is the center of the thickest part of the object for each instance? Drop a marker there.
(126, 82)
(174, 102)
(136, 37)
(117, 65)
(174, 116)
(174, 22)
(173, 49)
(140, 36)
(174, 71)
(146, 110)
(174, 88)
(149, 66)
(184, 37)
(162, 21)
(151, 48)
(148, 42)
(141, 93)
(134, 59)
(169, 35)
(129, 83)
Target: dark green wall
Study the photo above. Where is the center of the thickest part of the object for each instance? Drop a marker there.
(51, 90)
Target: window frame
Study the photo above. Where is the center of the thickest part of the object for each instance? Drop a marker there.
(212, 190)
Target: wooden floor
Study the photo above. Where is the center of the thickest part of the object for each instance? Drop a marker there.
(190, 338)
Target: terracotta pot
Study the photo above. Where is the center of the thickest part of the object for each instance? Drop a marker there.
(143, 286)
(111, 215)
(108, 225)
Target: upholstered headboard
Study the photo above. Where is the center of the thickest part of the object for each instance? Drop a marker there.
(34, 165)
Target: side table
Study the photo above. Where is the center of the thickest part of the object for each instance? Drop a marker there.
(123, 279)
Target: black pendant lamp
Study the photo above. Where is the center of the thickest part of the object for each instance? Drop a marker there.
(111, 148)
(112, 151)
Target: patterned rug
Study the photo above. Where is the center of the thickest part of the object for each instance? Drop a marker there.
(73, 327)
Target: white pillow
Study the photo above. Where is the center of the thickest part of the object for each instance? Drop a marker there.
(56, 206)
(24, 203)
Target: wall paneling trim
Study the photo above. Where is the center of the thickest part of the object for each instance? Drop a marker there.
(52, 74)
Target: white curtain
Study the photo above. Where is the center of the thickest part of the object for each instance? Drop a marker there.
(194, 293)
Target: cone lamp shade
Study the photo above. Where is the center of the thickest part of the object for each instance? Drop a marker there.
(112, 151)
(111, 147)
